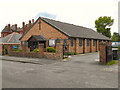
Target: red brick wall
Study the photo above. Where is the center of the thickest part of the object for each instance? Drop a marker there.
(46, 31)
(87, 48)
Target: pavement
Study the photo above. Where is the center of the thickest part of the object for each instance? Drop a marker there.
(28, 60)
(82, 71)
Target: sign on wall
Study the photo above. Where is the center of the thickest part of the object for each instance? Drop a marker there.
(51, 42)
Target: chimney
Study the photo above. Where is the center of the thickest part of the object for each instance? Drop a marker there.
(29, 23)
(32, 20)
(15, 27)
(9, 27)
(23, 27)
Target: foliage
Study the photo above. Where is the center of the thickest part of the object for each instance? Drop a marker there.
(50, 49)
(115, 36)
(112, 62)
(103, 24)
(35, 50)
(72, 53)
(17, 50)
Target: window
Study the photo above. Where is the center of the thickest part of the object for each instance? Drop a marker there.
(87, 42)
(93, 42)
(28, 44)
(57, 40)
(65, 42)
(80, 42)
(72, 43)
(51, 42)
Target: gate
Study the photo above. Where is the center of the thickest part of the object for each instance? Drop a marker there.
(65, 51)
(108, 53)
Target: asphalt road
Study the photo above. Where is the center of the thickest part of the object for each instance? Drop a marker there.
(81, 71)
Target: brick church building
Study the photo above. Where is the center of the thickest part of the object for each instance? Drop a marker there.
(79, 39)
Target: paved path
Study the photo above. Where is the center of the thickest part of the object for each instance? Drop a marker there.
(81, 71)
(28, 60)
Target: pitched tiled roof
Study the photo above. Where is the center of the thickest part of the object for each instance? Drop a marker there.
(72, 30)
(12, 29)
(11, 39)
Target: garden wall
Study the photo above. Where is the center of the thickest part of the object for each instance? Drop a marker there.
(27, 54)
(58, 55)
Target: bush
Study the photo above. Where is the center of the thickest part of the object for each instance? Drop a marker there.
(72, 53)
(35, 50)
(50, 49)
(14, 49)
(111, 62)
(75, 53)
(17, 50)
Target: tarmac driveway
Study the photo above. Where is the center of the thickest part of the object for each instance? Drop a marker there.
(82, 71)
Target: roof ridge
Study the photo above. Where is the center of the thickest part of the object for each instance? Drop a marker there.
(66, 23)
(11, 36)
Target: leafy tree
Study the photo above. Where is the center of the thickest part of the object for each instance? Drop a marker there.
(103, 25)
(115, 36)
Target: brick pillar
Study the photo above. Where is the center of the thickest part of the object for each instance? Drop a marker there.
(23, 49)
(102, 53)
(41, 49)
(97, 45)
(77, 45)
(91, 45)
(59, 51)
(84, 45)
(9, 48)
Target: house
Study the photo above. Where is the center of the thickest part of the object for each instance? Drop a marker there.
(11, 39)
(10, 29)
(79, 39)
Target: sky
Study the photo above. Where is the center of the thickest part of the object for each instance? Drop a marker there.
(78, 12)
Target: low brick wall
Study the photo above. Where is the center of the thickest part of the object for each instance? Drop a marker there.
(47, 55)
(28, 54)
(50, 55)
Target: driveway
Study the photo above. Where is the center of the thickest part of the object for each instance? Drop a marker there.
(82, 71)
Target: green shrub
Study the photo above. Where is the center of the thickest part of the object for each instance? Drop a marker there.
(35, 50)
(72, 53)
(111, 62)
(50, 49)
(75, 53)
(19, 50)
(14, 49)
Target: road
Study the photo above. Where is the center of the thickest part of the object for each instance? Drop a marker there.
(82, 71)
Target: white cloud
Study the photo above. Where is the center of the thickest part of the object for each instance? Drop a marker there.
(79, 12)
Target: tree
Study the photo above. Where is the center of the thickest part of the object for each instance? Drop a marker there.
(115, 36)
(103, 25)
